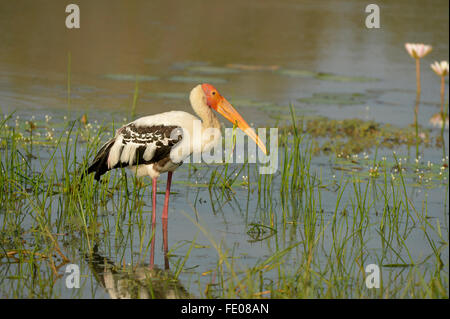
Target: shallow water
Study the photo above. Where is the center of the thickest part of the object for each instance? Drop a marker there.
(256, 53)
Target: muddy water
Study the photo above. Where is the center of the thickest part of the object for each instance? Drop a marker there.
(149, 38)
(281, 49)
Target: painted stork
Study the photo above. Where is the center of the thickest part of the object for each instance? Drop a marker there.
(155, 144)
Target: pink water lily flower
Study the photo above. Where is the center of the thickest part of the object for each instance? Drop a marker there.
(418, 50)
(441, 68)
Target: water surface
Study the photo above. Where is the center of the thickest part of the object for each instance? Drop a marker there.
(172, 46)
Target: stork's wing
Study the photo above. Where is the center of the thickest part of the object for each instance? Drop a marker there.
(135, 145)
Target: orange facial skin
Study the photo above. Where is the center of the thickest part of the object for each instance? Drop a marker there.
(217, 102)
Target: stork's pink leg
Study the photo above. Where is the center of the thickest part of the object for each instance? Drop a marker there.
(154, 201)
(165, 214)
(152, 246)
(165, 243)
(153, 234)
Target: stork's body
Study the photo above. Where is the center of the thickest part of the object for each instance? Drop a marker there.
(159, 143)
(154, 144)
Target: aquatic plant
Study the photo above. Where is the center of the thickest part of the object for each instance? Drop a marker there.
(417, 51)
(318, 225)
(441, 69)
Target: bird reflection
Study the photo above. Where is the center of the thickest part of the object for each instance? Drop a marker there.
(137, 281)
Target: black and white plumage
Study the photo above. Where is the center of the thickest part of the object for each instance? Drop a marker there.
(134, 146)
(159, 143)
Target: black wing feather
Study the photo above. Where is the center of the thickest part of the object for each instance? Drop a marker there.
(143, 136)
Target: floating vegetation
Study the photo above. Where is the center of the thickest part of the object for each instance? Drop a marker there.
(353, 136)
(342, 78)
(253, 67)
(325, 76)
(196, 79)
(420, 174)
(206, 69)
(185, 64)
(130, 77)
(336, 99)
(314, 225)
(255, 103)
(297, 73)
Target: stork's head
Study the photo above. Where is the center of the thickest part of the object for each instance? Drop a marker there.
(220, 104)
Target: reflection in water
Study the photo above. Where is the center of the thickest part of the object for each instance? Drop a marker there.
(135, 281)
(138, 281)
(416, 122)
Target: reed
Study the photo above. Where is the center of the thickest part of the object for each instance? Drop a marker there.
(318, 232)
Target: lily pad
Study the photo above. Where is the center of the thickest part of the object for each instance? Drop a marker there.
(325, 76)
(185, 64)
(253, 103)
(297, 73)
(196, 79)
(252, 67)
(206, 69)
(342, 78)
(130, 77)
(335, 99)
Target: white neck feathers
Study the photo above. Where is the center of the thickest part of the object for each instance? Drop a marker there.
(211, 134)
(198, 102)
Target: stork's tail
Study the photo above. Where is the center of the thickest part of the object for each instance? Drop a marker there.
(100, 163)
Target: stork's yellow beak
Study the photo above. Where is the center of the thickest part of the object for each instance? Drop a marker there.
(229, 112)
